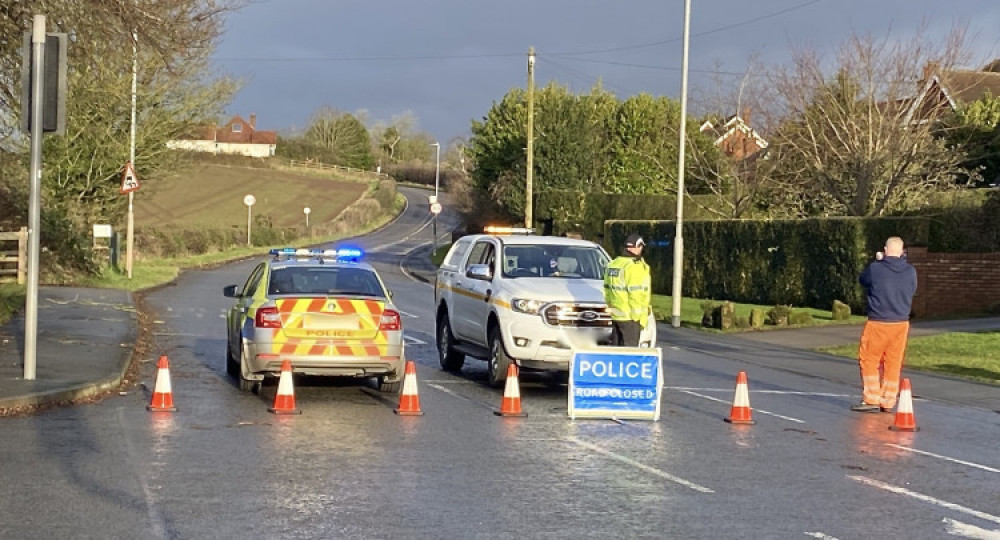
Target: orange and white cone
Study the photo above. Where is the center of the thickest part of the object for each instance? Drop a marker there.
(740, 412)
(163, 396)
(409, 401)
(511, 405)
(904, 410)
(284, 400)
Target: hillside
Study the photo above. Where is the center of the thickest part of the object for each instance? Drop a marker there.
(212, 195)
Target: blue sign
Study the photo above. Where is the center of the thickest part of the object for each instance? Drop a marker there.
(615, 382)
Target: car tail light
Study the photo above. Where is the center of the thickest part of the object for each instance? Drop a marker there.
(390, 320)
(267, 317)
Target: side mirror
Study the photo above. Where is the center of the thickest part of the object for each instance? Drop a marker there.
(480, 271)
(230, 291)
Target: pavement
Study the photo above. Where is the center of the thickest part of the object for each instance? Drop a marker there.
(86, 339)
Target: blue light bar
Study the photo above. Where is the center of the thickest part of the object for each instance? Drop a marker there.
(346, 254)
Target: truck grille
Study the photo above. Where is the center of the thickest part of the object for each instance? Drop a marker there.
(578, 315)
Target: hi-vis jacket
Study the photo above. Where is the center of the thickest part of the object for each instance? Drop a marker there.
(627, 289)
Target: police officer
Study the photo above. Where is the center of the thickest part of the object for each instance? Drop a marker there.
(627, 293)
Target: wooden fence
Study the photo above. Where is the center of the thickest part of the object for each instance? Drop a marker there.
(294, 163)
(14, 257)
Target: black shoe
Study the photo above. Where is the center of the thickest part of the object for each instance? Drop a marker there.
(865, 407)
(885, 409)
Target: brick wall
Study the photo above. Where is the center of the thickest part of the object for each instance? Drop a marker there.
(955, 283)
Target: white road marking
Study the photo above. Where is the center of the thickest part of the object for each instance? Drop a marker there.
(647, 468)
(776, 392)
(821, 535)
(451, 381)
(925, 498)
(957, 528)
(762, 411)
(946, 458)
(413, 340)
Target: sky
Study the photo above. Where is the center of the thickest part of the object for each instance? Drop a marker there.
(447, 61)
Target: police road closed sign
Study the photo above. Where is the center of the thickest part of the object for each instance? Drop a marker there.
(615, 382)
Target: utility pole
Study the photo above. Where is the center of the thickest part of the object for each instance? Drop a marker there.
(130, 237)
(675, 319)
(531, 136)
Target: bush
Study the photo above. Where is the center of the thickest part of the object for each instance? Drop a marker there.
(800, 318)
(742, 322)
(841, 311)
(778, 315)
(757, 317)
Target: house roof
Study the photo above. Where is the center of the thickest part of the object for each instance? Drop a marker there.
(235, 131)
(733, 127)
(950, 88)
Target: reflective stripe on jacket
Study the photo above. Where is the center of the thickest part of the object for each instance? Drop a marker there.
(627, 289)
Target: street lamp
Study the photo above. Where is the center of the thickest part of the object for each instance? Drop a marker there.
(675, 293)
(437, 167)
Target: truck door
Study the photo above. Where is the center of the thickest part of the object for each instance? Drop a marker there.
(472, 298)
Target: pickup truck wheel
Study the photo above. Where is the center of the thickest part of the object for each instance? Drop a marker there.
(499, 361)
(451, 360)
(389, 387)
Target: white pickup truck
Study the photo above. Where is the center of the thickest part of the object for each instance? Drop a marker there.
(524, 299)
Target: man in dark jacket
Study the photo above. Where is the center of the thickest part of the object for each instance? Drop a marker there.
(890, 283)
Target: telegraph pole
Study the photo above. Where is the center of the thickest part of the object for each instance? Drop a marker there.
(531, 136)
(130, 240)
(678, 239)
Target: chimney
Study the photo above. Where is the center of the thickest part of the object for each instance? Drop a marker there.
(931, 69)
(253, 121)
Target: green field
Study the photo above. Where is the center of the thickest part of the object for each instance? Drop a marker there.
(212, 195)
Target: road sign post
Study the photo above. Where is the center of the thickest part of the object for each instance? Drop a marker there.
(249, 200)
(615, 382)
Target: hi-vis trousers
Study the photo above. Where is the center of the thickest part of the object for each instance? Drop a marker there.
(881, 358)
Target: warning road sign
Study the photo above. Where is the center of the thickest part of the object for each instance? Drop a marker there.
(130, 182)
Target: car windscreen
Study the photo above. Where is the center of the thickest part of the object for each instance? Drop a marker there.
(553, 261)
(326, 281)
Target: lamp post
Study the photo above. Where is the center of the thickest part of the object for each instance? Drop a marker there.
(678, 239)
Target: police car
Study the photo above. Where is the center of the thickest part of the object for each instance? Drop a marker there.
(324, 310)
(509, 296)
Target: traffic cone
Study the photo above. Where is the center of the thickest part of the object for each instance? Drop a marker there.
(904, 410)
(511, 405)
(284, 400)
(163, 396)
(409, 401)
(740, 412)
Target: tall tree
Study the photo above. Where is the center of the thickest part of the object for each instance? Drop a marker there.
(175, 94)
(853, 143)
(976, 127)
(342, 137)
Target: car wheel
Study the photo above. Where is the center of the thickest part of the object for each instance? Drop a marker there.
(388, 387)
(451, 360)
(232, 365)
(499, 361)
(246, 385)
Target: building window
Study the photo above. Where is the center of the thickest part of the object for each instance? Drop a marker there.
(237, 128)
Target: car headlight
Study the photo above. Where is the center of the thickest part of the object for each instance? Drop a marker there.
(525, 305)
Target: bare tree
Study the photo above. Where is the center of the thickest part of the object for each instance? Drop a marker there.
(856, 142)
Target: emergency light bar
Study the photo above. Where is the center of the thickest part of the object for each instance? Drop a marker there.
(493, 229)
(340, 255)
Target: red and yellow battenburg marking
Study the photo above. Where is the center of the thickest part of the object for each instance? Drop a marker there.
(330, 327)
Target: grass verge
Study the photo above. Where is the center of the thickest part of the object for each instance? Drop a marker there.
(971, 355)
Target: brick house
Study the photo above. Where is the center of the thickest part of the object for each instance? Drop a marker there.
(941, 91)
(237, 136)
(735, 138)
